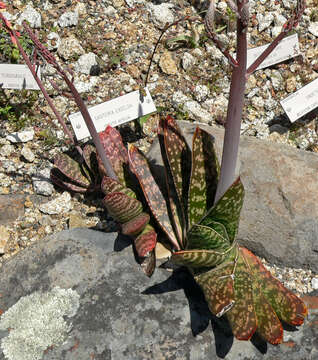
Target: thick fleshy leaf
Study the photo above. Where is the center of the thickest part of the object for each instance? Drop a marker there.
(204, 176)
(227, 210)
(201, 258)
(148, 263)
(89, 155)
(115, 151)
(153, 195)
(135, 225)
(146, 241)
(71, 169)
(179, 158)
(242, 316)
(268, 325)
(287, 305)
(205, 238)
(56, 179)
(110, 185)
(218, 288)
(122, 207)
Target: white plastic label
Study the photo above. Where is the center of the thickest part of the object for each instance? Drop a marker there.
(286, 49)
(114, 112)
(16, 76)
(302, 101)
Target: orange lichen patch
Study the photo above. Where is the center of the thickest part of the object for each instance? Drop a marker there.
(1, 312)
(311, 301)
(75, 346)
(289, 344)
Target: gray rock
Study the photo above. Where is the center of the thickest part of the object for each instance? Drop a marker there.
(21, 136)
(69, 18)
(279, 220)
(264, 21)
(53, 41)
(70, 47)
(313, 28)
(115, 312)
(6, 150)
(11, 208)
(42, 184)
(27, 154)
(201, 92)
(188, 61)
(161, 14)
(32, 16)
(85, 86)
(87, 64)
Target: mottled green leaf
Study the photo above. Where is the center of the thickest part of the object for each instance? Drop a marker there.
(287, 305)
(135, 225)
(153, 195)
(227, 210)
(110, 185)
(115, 151)
(206, 238)
(122, 207)
(56, 178)
(71, 169)
(146, 241)
(204, 176)
(89, 155)
(200, 258)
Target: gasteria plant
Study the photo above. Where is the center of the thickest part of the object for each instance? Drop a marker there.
(200, 208)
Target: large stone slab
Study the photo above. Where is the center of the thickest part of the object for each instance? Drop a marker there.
(80, 295)
(280, 214)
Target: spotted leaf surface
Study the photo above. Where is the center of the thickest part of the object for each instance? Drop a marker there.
(56, 179)
(135, 225)
(110, 185)
(179, 158)
(89, 155)
(115, 151)
(204, 176)
(242, 316)
(227, 210)
(287, 305)
(71, 169)
(218, 288)
(122, 207)
(148, 263)
(153, 195)
(146, 241)
(204, 237)
(200, 258)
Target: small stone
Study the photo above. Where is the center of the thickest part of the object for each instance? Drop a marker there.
(314, 283)
(31, 16)
(6, 150)
(27, 154)
(201, 92)
(11, 208)
(21, 136)
(264, 21)
(291, 84)
(42, 184)
(277, 80)
(161, 14)
(167, 64)
(70, 47)
(313, 28)
(188, 61)
(53, 41)
(87, 64)
(110, 11)
(76, 221)
(4, 237)
(69, 18)
(60, 205)
(86, 86)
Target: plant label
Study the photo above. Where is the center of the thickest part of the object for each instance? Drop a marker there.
(301, 102)
(114, 112)
(286, 49)
(19, 77)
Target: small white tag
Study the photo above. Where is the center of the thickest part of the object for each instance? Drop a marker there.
(16, 76)
(301, 102)
(286, 49)
(114, 112)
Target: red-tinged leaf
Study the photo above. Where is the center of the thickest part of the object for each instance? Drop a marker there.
(89, 155)
(146, 241)
(218, 289)
(152, 193)
(242, 316)
(115, 151)
(71, 169)
(64, 184)
(110, 185)
(148, 263)
(227, 210)
(179, 158)
(135, 225)
(286, 304)
(122, 207)
(204, 176)
(268, 325)
(201, 258)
